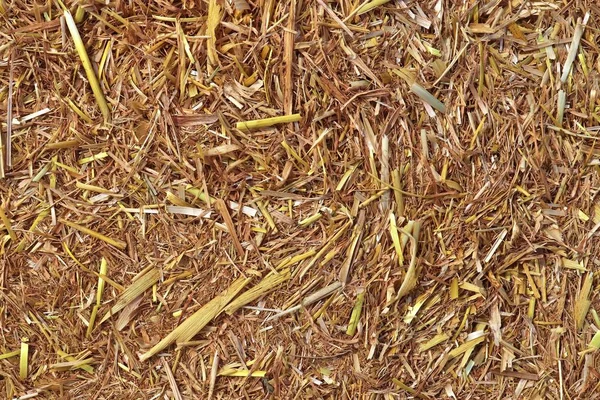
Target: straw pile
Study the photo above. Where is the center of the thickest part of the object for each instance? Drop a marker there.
(299, 199)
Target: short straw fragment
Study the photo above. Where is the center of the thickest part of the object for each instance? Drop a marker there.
(577, 35)
(114, 242)
(267, 122)
(194, 324)
(24, 358)
(87, 66)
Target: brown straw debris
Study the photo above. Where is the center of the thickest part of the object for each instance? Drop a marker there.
(252, 199)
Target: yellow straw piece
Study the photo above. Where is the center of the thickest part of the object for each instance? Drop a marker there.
(370, 5)
(79, 111)
(101, 282)
(119, 244)
(437, 339)
(595, 342)
(95, 157)
(92, 188)
(87, 66)
(10, 354)
(194, 324)
(267, 122)
(139, 286)
(92, 321)
(356, 311)
(43, 214)
(241, 373)
(23, 362)
(214, 18)
(84, 366)
(309, 220)
(466, 346)
(71, 365)
(7, 225)
(268, 284)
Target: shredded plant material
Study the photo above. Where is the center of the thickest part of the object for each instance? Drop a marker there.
(227, 199)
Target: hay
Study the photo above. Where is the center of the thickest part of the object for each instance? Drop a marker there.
(320, 199)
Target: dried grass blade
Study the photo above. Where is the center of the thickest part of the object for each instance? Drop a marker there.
(577, 35)
(222, 208)
(23, 243)
(288, 55)
(495, 246)
(195, 119)
(583, 302)
(112, 283)
(9, 107)
(92, 188)
(87, 66)
(24, 359)
(79, 112)
(266, 285)
(410, 279)
(396, 238)
(214, 18)
(171, 379)
(119, 244)
(357, 234)
(194, 324)
(130, 310)
(92, 321)
(99, 292)
(189, 211)
(468, 345)
(138, 287)
(496, 324)
(434, 341)
(562, 99)
(308, 300)
(595, 342)
(213, 375)
(10, 354)
(221, 150)
(370, 5)
(267, 122)
(335, 17)
(427, 97)
(385, 174)
(233, 372)
(454, 289)
(324, 249)
(7, 225)
(72, 365)
(356, 311)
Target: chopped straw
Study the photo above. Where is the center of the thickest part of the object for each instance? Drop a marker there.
(299, 199)
(87, 66)
(114, 242)
(356, 311)
(267, 122)
(24, 359)
(595, 342)
(574, 47)
(139, 286)
(194, 324)
(369, 5)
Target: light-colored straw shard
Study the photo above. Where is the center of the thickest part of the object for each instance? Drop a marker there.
(267, 122)
(139, 286)
(115, 242)
(194, 324)
(87, 66)
(574, 47)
